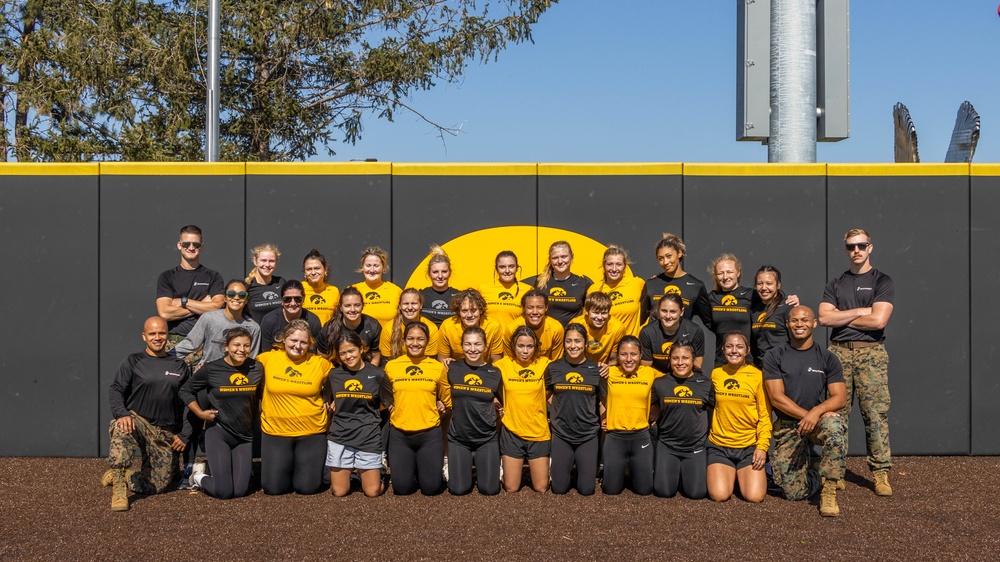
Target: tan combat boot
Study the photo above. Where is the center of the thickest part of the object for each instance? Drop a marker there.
(828, 499)
(841, 485)
(119, 495)
(108, 478)
(882, 487)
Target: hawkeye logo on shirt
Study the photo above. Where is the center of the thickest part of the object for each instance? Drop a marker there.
(238, 379)
(594, 346)
(439, 305)
(671, 290)
(729, 300)
(372, 295)
(505, 296)
(575, 378)
(473, 380)
(614, 296)
(731, 384)
(557, 292)
(683, 392)
(413, 371)
(316, 299)
(525, 373)
(353, 386)
(761, 316)
(631, 375)
(270, 295)
(292, 372)
(665, 348)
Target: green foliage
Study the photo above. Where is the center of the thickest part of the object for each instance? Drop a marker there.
(126, 79)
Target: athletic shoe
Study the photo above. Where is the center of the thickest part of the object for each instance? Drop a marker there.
(195, 481)
(199, 468)
(882, 487)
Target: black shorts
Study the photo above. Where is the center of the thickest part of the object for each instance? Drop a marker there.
(513, 446)
(736, 458)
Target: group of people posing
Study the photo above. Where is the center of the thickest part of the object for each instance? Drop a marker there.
(442, 387)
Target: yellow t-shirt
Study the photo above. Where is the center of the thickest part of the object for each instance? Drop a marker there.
(416, 387)
(601, 343)
(524, 403)
(381, 301)
(322, 303)
(626, 301)
(385, 341)
(627, 399)
(450, 337)
(742, 414)
(292, 403)
(550, 338)
(503, 305)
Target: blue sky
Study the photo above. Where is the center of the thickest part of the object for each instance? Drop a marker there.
(655, 81)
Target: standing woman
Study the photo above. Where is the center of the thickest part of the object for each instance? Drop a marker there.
(627, 292)
(666, 327)
(293, 418)
(350, 318)
(626, 396)
(231, 383)
(469, 307)
(321, 298)
(437, 298)
(572, 384)
(525, 434)
(292, 298)
(730, 302)
(209, 329)
(769, 312)
(503, 295)
(381, 297)
(354, 441)
(670, 252)
(741, 426)
(391, 341)
(416, 391)
(263, 286)
(565, 289)
(684, 398)
(472, 433)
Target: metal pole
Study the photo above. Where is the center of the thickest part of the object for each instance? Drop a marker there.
(212, 103)
(793, 81)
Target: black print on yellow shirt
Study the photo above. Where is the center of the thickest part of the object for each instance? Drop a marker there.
(413, 371)
(316, 299)
(731, 384)
(505, 296)
(594, 346)
(371, 295)
(614, 296)
(525, 373)
(292, 372)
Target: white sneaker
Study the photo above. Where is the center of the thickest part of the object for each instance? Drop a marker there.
(199, 468)
(444, 469)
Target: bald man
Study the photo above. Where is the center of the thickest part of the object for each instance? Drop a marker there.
(148, 416)
(806, 385)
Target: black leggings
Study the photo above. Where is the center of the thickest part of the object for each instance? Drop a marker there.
(486, 459)
(416, 459)
(564, 456)
(230, 463)
(687, 469)
(292, 463)
(628, 448)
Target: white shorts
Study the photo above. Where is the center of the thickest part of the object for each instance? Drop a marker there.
(340, 456)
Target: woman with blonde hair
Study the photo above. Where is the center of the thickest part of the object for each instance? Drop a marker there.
(381, 297)
(437, 297)
(391, 343)
(626, 291)
(566, 290)
(263, 287)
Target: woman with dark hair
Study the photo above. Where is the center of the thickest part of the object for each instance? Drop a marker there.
(470, 312)
(263, 286)
(208, 330)
(321, 298)
(565, 289)
(293, 417)
(670, 251)
(524, 435)
(381, 297)
(437, 298)
(769, 313)
(665, 328)
(349, 317)
(535, 315)
(572, 384)
(231, 384)
(503, 295)
(391, 341)
(292, 298)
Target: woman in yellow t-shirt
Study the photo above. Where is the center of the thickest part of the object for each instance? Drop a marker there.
(293, 418)
(627, 292)
(503, 295)
(381, 297)
(321, 298)
(391, 343)
(416, 391)
(524, 435)
(470, 311)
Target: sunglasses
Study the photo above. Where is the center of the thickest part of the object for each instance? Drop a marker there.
(289, 300)
(860, 246)
(236, 294)
(195, 245)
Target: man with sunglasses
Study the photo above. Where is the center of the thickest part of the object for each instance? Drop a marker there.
(857, 306)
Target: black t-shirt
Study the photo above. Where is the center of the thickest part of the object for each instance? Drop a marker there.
(437, 306)
(769, 330)
(274, 322)
(356, 418)
(858, 291)
(195, 284)
(690, 288)
(231, 390)
(684, 405)
(655, 344)
(473, 416)
(574, 414)
(148, 386)
(730, 313)
(805, 373)
(263, 298)
(565, 297)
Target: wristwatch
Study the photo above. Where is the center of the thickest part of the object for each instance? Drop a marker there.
(184, 302)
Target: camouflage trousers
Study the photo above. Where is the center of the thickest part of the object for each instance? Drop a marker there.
(790, 459)
(866, 371)
(159, 461)
(193, 359)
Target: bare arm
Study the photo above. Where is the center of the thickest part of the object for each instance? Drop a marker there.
(874, 320)
(207, 304)
(171, 309)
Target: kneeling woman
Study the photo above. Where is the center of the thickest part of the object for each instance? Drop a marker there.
(741, 426)
(231, 383)
(572, 383)
(626, 397)
(416, 391)
(293, 418)
(354, 441)
(525, 433)
(472, 434)
(684, 398)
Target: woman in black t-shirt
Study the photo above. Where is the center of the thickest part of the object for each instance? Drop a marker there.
(566, 290)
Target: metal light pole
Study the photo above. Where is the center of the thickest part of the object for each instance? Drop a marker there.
(212, 103)
(793, 81)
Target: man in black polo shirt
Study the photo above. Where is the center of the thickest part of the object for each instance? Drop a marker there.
(148, 415)
(806, 385)
(857, 305)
